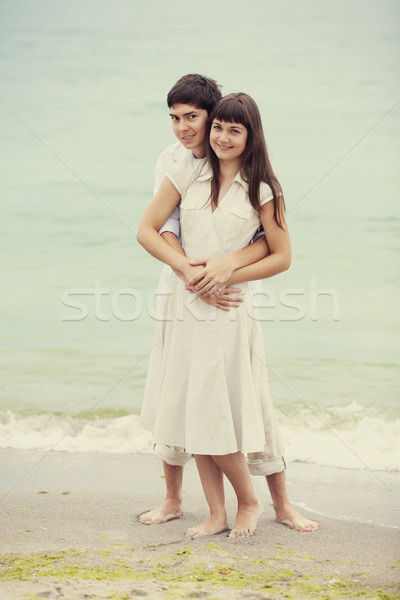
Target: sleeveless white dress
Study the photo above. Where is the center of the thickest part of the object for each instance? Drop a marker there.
(207, 388)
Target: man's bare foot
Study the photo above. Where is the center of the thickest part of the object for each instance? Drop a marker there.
(212, 526)
(290, 517)
(246, 520)
(163, 513)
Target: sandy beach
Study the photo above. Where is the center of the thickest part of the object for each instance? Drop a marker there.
(69, 529)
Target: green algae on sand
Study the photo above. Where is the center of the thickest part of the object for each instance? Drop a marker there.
(209, 568)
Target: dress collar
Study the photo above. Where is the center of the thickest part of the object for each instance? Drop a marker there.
(206, 174)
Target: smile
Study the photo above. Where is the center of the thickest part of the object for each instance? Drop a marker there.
(187, 138)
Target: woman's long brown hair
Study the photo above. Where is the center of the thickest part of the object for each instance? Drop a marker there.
(256, 166)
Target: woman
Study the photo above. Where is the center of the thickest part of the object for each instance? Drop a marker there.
(206, 388)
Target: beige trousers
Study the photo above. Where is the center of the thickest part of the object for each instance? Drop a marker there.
(259, 463)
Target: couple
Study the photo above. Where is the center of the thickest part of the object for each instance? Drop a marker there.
(207, 392)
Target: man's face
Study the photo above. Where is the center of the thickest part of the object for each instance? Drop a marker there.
(189, 125)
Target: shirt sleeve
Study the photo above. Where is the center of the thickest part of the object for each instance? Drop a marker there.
(258, 234)
(172, 224)
(181, 174)
(164, 163)
(265, 193)
(265, 196)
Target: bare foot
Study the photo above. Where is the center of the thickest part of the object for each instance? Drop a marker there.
(290, 517)
(212, 526)
(246, 520)
(163, 513)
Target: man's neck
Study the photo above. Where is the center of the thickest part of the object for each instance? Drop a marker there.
(199, 152)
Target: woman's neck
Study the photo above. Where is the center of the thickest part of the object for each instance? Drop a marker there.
(228, 169)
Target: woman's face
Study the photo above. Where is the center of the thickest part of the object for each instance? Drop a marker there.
(228, 140)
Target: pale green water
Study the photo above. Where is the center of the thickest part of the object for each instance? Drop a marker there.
(83, 119)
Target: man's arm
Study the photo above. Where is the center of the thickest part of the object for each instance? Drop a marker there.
(258, 234)
(218, 271)
(172, 240)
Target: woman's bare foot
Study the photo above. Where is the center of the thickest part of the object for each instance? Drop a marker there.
(246, 520)
(212, 526)
(290, 517)
(163, 513)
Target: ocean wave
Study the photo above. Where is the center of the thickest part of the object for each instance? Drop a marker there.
(68, 434)
(350, 436)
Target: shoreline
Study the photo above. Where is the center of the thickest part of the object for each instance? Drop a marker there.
(69, 523)
(352, 495)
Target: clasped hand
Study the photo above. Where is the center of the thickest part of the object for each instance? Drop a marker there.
(211, 280)
(204, 276)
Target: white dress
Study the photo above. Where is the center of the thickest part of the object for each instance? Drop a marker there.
(207, 387)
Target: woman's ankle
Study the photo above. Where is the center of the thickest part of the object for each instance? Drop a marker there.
(218, 514)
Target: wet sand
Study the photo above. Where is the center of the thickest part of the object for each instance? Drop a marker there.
(69, 529)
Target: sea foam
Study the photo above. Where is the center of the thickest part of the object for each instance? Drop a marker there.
(348, 436)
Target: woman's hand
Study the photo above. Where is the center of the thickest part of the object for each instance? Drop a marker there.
(212, 277)
(226, 300)
(186, 271)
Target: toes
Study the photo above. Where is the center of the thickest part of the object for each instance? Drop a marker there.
(144, 519)
(143, 516)
(235, 533)
(307, 527)
(148, 521)
(195, 532)
(298, 523)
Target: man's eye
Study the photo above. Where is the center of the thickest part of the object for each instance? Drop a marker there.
(192, 117)
(174, 118)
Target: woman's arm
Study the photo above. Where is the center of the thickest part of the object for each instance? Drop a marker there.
(279, 244)
(163, 203)
(155, 215)
(158, 210)
(172, 241)
(217, 271)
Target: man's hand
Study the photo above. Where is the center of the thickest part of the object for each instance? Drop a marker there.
(213, 276)
(226, 300)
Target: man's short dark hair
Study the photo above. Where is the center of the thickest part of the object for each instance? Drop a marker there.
(197, 90)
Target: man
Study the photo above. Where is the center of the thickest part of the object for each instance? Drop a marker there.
(190, 101)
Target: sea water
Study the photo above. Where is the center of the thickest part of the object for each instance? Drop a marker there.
(83, 119)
